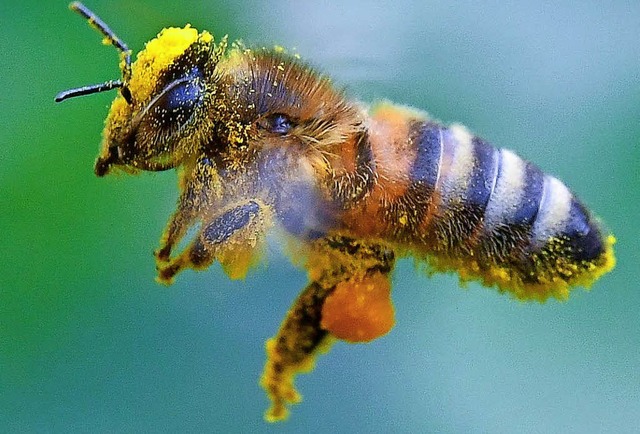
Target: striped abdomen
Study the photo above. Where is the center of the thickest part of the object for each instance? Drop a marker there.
(484, 212)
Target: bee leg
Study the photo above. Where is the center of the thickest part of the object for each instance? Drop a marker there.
(348, 299)
(199, 187)
(231, 237)
(293, 350)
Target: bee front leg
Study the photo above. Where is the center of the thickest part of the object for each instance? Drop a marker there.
(200, 187)
(231, 237)
(348, 299)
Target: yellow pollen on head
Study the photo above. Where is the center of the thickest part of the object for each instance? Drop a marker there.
(120, 110)
(159, 53)
(117, 120)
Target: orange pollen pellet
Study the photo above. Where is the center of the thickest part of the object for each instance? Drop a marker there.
(359, 311)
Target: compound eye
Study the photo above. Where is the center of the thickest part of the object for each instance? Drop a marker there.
(277, 123)
(180, 99)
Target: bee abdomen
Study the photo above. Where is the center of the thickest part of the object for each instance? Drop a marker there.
(530, 210)
(491, 215)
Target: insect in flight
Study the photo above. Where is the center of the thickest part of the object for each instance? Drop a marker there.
(262, 141)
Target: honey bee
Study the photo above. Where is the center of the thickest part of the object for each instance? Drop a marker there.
(263, 142)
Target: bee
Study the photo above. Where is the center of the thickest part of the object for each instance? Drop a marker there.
(261, 141)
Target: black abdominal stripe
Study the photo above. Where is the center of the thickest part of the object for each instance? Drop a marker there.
(512, 203)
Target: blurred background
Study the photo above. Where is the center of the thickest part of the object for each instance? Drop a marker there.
(89, 342)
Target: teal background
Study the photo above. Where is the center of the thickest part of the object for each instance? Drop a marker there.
(89, 342)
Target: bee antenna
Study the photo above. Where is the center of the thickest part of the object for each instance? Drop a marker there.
(110, 38)
(96, 22)
(88, 90)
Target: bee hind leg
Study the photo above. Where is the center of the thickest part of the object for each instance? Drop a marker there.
(348, 299)
(293, 350)
(231, 237)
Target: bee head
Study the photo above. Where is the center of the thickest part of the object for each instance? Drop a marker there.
(152, 122)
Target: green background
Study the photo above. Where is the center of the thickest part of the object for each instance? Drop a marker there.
(89, 342)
